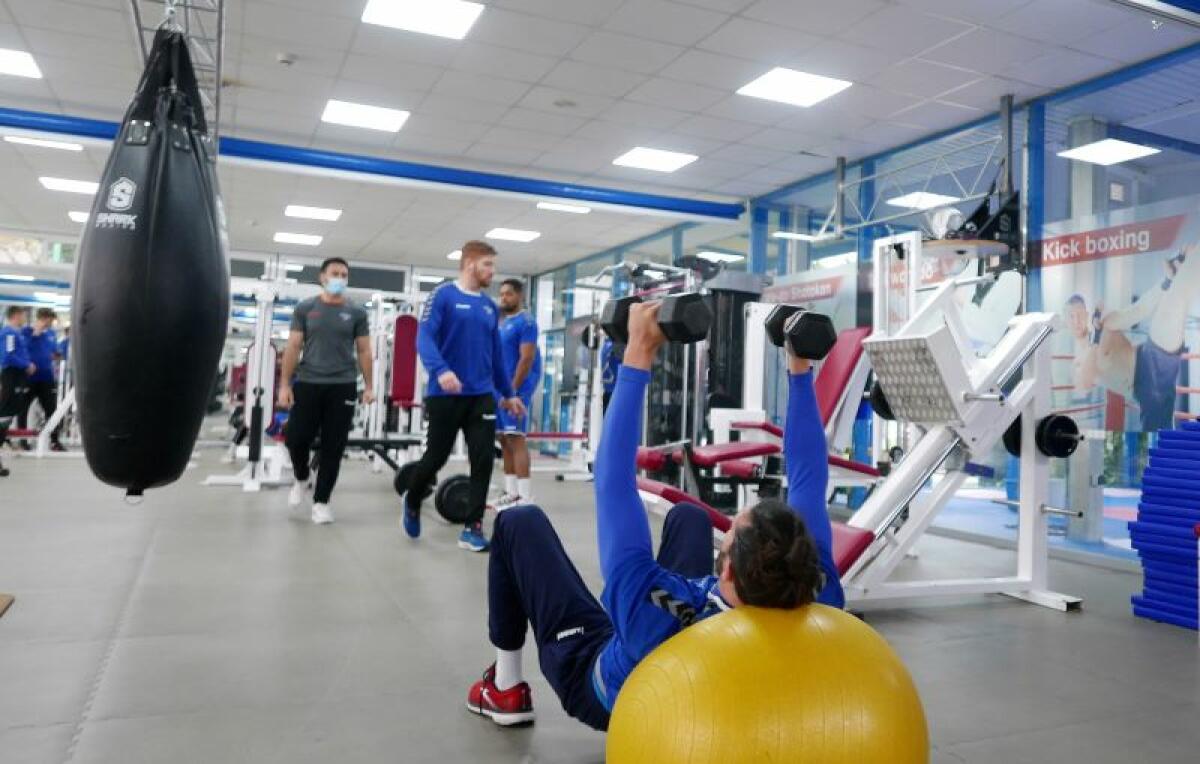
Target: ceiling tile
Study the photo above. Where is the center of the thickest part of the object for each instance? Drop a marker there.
(716, 128)
(569, 161)
(985, 93)
(424, 123)
(438, 105)
(305, 104)
(263, 52)
(1061, 22)
(284, 80)
(924, 78)
(903, 31)
(511, 64)
(812, 16)
(665, 21)
(480, 88)
(570, 103)
(398, 45)
(868, 101)
(112, 24)
(1060, 67)
(826, 119)
(1137, 39)
(58, 71)
(790, 141)
(677, 95)
(406, 76)
(985, 50)
(935, 115)
(754, 110)
(714, 70)
(729, 6)
(846, 61)
(278, 22)
(973, 11)
(588, 12)
(748, 156)
(758, 41)
(504, 154)
(524, 139)
(590, 78)
(644, 115)
(527, 33)
(557, 124)
(626, 52)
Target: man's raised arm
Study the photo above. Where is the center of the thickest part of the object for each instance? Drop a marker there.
(621, 525)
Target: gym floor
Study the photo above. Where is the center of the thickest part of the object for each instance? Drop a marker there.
(208, 625)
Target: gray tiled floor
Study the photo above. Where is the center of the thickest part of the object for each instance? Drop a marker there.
(207, 625)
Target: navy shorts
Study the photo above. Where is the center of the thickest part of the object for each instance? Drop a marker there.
(507, 424)
(1155, 375)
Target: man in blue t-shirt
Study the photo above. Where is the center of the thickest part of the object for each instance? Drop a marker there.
(523, 365)
(459, 344)
(42, 344)
(776, 555)
(15, 368)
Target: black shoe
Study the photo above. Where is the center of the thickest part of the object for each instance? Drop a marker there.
(25, 446)
(58, 447)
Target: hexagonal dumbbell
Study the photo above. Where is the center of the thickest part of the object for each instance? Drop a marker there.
(683, 318)
(809, 335)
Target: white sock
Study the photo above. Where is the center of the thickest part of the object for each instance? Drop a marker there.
(508, 669)
(525, 489)
(510, 484)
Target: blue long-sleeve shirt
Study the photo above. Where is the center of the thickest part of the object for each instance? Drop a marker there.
(460, 332)
(42, 348)
(14, 352)
(632, 576)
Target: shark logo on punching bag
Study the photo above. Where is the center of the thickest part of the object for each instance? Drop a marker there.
(120, 194)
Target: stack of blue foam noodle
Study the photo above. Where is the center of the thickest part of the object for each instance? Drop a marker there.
(1164, 534)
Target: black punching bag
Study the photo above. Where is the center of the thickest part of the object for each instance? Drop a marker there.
(151, 299)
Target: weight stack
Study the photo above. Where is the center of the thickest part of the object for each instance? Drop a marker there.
(1164, 534)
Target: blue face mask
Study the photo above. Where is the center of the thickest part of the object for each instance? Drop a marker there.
(335, 286)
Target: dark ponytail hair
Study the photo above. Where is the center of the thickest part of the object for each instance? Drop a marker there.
(774, 559)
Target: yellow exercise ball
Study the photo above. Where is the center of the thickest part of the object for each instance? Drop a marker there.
(760, 685)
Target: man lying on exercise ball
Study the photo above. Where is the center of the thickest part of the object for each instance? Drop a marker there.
(776, 555)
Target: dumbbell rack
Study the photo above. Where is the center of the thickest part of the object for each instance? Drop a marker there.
(203, 23)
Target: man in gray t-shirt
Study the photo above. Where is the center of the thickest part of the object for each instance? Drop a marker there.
(328, 344)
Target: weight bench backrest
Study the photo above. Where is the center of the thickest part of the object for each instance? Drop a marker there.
(838, 371)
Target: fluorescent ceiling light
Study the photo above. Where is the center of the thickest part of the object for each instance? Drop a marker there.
(455, 255)
(721, 257)
(834, 261)
(16, 277)
(801, 236)
(362, 115)
(793, 87)
(19, 64)
(658, 160)
(311, 213)
(305, 239)
(52, 297)
(922, 200)
(512, 234)
(444, 18)
(575, 209)
(70, 186)
(1108, 151)
(423, 279)
(78, 217)
(43, 144)
(294, 267)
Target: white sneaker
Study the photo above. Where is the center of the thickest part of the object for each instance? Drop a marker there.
(298, 493)
(507, 500)
(321, 514)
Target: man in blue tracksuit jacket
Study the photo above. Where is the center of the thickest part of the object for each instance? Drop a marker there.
(43, 346)
(775, 555)
(459, 344)
(15, 368)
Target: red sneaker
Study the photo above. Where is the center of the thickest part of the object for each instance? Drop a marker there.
(504, 707)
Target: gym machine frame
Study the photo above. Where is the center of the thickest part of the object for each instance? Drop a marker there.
(265, 466)
(933, 380)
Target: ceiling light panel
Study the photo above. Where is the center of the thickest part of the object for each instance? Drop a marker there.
(574, 209)
(793, 87)
(69, 186)
(1109, 151)
(365, 116)
(312, 213)
(43, 144)
(512, 234)
(922, 200)
(303, 239)
(442, 18)
(658, 160)
(18, 63)
(78, 217)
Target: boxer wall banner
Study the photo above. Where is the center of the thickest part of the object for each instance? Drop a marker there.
(152, 283)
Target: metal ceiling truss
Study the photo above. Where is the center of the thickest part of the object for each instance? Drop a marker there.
(203, 23)
(861, 199)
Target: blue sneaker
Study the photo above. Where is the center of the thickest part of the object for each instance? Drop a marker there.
(472, 539)
(411, 520)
